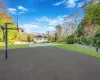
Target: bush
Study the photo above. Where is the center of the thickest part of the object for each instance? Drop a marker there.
(28, 38)
(84, 40)
(89, 40)
(49, 41)
(96, 39)
(11, 41)
(59, 40)
(79, 40)
(1, 40)
(70, 39)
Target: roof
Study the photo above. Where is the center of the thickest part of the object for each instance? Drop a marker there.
(21, 29)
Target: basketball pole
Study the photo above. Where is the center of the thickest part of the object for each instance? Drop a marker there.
(6, 41)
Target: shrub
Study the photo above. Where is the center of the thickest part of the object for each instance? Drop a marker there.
(89, 40)
(59, 40)
(70, 39)
(28, 38)
(96, 40)
(84, 40)
(79, 40)
(1, 40)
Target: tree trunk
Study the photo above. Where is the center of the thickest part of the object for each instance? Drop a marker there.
(97, 49)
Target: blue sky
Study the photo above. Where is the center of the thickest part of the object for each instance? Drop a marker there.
(41, 15)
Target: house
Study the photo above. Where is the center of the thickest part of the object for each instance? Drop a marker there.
(21, 29)
(40, 39)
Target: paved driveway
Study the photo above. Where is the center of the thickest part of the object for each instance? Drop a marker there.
(48, 63)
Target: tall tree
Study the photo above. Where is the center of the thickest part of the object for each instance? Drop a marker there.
(91, 18)
(58, 30)
(5, 18)
(48, 35)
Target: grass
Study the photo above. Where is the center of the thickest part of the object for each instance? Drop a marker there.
(71, 47)
(15, 46)
(2, 47)
(77, 48)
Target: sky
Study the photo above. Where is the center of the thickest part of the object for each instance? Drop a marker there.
(41, 15)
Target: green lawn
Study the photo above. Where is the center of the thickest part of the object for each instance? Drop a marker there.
(14, 46)
(77, 48)
(71, 47)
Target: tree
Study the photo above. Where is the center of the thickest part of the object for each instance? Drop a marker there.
(28, 38)
(4, 18)
(79, 32)
(48, 35)
(96, 40)
(70, 23)
(91, 18)
(70, 39)
(13, 36)
(58, 31)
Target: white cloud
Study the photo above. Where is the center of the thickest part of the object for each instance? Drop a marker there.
(12, 10)
(22, 8)
(64, 16)
(52, 21)
(40, 27)
(45, 29)
(44, 18)
(22, 12)
(71, 3)
(59, 3)
(56, 21)
(50, 28)
(26, 26)
(80, 4)
(30, 28)
(68, 20)
(67, 3)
